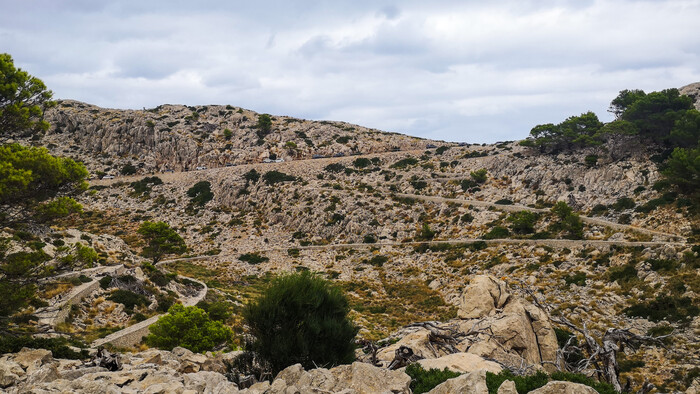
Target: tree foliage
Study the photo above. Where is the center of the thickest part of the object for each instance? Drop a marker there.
(23, 99)
(264, 125)
(30, 174)
(20, 272)
(301, 318)
(160, 240)
(189, 327)
(58, 208)
(683, 170)
(574, 132)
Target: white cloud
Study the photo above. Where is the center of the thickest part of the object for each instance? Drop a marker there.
(474, 71)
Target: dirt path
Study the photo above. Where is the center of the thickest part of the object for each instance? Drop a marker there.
(516, 208)
(177, 176)
(560, 243)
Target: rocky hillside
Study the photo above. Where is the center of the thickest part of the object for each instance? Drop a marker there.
(407, 227)
(177, 137)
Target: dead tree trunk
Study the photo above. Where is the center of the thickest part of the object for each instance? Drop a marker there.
(602, 358)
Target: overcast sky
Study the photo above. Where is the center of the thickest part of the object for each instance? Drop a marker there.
(472, 71)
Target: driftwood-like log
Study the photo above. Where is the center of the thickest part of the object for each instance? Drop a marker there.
(402, 357)
(602, 355)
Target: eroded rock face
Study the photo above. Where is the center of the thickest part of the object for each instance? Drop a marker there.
(519, 329)
(693, 91)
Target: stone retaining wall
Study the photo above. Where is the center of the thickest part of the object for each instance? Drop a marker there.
(132, 335)
(58, 313)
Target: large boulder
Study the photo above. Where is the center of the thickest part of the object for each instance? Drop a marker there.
(517, 329)
(472, 383)
(10, 373)
(507, 387)
(482, 297)
(31, 359)
(461, 362)
(564, 388)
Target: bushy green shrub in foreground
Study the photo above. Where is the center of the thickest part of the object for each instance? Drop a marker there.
(301, 318)
(189, 327)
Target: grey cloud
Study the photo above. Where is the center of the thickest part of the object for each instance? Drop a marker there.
(468, 70)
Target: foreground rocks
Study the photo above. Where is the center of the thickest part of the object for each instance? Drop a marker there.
(183, 372)
(495, 325)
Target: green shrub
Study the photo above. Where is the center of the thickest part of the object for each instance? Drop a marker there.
(301, 318)
(189, 327)
(128, 298)
(272, 177)
(128, 169)
(441, 150)
(200, 193)
(143, 186)
(467, 184)
(522, 222)
(253, 258)
(523, 384)
(422, 381)
(425, 233)
(418, 184)
(105, 281)
(591, 160)
(334, 167)
(622, 274)
(671, 308)
(497, 232)
(58, 346)
(578, 279)
(362, 162)
(251, 176)
(599, 209)
(377, 260)
(59, 207)
(218, 311)
(479, 176)
(369, 239)
(504, 201)
(403, 163)
(623, 203)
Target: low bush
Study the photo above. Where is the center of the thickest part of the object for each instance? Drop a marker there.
(60, 347)
(253, 258)
(273, 177)
(663, 307)
(105, 281)
(128, 298)
(497, 232)
(623, 203)
(403, 163)
(189, 327)
(479, 176)
(200, 193)
(422, 380)
(523, 384)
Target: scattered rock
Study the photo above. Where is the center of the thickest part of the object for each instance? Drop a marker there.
(507, 387)
(473, 383)
(461, 362)
(564, 388)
